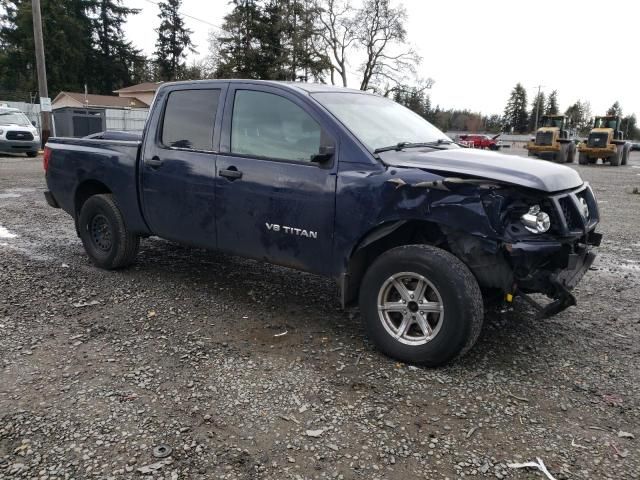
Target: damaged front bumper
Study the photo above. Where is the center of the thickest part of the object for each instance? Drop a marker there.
(553, 269)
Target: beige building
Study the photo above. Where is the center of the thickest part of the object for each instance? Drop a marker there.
(81, 100)
(143, 91)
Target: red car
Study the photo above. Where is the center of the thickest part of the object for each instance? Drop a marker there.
(480, 141)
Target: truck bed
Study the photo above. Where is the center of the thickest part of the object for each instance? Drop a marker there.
(74, 162)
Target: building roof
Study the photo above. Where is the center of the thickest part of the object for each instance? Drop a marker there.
(139, 88)
(92, 100)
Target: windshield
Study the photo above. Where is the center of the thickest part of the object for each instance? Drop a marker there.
(552, 122)
(14, 118)
(377, 121)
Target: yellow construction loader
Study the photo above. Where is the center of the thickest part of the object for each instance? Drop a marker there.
(605, 141)
(553, 141)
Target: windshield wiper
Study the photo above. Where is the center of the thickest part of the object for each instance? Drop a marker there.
(402, 145)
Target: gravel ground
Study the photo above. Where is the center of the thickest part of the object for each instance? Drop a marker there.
(252, 371)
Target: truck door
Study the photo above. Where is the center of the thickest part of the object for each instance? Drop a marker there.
(179, 164)
(275, 197)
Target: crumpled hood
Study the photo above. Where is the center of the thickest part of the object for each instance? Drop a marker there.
(517, 170)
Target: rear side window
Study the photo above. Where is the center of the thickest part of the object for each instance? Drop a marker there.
(189, 118)
(268, 125)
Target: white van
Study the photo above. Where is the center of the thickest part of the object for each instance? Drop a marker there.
(17, 134)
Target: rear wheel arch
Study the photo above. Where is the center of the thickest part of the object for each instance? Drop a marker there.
(85, 190)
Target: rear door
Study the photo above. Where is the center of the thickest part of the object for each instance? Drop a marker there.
(272, 201)
(179, 165)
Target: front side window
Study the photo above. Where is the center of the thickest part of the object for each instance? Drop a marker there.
(268, 125)
(189, 118)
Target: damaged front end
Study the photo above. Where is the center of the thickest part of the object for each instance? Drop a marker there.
(517, 241)
(543, 244)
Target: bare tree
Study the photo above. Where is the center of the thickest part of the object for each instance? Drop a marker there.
(381, 33)
(337, 33)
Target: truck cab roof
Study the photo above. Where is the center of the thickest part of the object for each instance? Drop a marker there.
(302, 87)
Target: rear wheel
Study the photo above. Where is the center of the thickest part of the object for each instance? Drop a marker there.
(104, 234)
(420, 304)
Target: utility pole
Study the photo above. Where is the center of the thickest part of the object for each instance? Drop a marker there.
(537, 107)
(45, 105)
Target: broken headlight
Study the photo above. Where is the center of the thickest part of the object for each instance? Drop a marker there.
(535, 220)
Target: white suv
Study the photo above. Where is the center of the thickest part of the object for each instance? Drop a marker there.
(17, 134)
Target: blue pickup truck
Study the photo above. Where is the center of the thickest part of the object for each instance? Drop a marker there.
(341, 183)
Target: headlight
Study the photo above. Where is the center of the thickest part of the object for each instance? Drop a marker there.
(536, 221)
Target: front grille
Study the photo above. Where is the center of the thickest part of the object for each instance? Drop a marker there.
(570, 215)
(598, 140)
(544, 138)
(578, 209)
(13, 135)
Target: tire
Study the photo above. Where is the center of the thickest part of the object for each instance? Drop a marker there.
(104, 234)
(616, 158)
(583, 159)
(447, 282)
(625, 153)
(32, 154)
(571, 153)
(530, 154)
(561, 155)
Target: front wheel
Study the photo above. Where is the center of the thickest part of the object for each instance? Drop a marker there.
(616, 158)
(420, 304)
(571, 153)
(583, 159)
(104, 234)
(32, 154)
(561, 155)
(625, 153)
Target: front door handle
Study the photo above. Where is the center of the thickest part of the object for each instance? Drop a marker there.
(154, 161)
(232, 173)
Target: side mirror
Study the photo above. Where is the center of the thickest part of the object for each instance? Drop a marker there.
(33, 122)
(325, 153)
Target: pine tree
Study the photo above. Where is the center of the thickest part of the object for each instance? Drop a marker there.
(117, 63)
(615, 109)
(579, 116)
(236, 52)
(173, 43)
(67, 31)
(552, 104)
(414, 99)
(276, 40)
(515, 113)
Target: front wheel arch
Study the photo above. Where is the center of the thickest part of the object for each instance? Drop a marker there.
(379, 240)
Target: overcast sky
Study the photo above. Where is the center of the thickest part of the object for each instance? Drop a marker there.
(477, 51)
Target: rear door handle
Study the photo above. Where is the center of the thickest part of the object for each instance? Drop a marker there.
(232, 173)
(154, 161)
